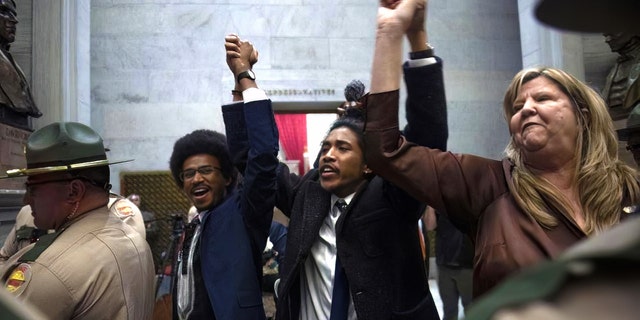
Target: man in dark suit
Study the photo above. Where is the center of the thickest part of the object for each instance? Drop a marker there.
(364, 259)
(219, 269)
(15, 95)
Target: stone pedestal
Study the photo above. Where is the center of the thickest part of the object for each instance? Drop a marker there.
(12, 144)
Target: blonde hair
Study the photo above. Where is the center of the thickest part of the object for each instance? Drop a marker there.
(604, 181)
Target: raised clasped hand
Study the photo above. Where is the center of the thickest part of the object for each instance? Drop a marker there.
(398, 15)
(241, 55)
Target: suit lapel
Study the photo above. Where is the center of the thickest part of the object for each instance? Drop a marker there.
(316, 206)
(343, 217)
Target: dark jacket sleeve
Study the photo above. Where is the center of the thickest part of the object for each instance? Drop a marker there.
(236, 131)
(426, 106)
(238, 140)
(426, 112)
(252, 137)
(278, 236)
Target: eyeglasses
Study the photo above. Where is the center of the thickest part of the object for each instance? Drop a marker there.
(188, 174)
(633, 147)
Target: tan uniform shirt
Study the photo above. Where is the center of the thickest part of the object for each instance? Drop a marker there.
(120, 206)
(95, 269)
(12, 244)
(128, 212)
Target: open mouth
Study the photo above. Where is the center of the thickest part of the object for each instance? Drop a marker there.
(199, 192)
(327, 171)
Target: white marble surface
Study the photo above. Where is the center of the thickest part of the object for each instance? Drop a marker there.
(158, 69)
(161, 62)
(157, 57)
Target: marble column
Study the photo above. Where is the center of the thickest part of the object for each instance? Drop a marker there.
(60, 74)
(542, 45)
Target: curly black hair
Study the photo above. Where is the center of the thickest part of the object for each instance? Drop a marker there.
(354, 115)
(353, 120)
(202, 141)
(354, 90)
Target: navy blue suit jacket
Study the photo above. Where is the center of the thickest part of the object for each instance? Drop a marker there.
(235, 232)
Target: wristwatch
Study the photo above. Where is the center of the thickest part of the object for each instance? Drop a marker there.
(246, 74)
(428, 53)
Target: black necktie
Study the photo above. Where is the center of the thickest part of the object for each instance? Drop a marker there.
(340, 299)
(341, 205)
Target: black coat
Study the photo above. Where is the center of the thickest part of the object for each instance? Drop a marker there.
(377, 237)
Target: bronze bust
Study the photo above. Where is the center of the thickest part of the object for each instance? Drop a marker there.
(620, 91)
(16, 101)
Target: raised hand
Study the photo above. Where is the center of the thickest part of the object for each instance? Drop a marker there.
(417, 31)
(417, 23)
(241, 55)
(397, 16)
(394, 19)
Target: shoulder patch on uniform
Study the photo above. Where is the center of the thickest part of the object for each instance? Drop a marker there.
(18, 279)
(122, 209)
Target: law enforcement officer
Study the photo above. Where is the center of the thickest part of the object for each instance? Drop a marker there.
(24, 232)
(148, 218)
(92, 266)
(128, 212)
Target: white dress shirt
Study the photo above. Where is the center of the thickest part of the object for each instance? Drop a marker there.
(316, 285)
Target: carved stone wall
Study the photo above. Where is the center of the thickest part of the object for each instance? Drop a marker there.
(158, 69)
(12, 143)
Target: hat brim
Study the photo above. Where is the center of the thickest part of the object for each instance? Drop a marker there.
(589, 16)
(16, 173)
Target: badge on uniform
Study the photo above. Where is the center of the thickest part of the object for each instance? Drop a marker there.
(19, 279)
(123, 209)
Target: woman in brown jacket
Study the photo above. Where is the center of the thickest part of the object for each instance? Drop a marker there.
(560, 182)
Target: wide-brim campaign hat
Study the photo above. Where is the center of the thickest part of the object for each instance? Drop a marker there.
(62, 146)
(633, 125)
(595, 16)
